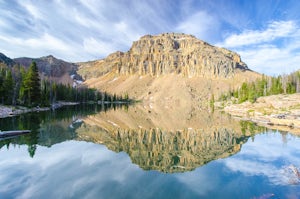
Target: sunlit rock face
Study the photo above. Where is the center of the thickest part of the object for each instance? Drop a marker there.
(171, 53)
(168, 69)
(179, 53)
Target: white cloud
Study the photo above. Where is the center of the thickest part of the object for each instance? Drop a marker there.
(83, 30)
(97, 47)
(43, 45)
(271, 60)
(200, 180)
(277, 176)
(77, 169)
(276, 29)
(261, 157)
(93, 5)
(88, 30)
(81, 19)
(33, 10)
(200, 24)
(65, 173)
(91, 29)
(272, 51)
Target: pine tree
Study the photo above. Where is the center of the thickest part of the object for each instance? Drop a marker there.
(17, 76)
(32, 90)
(1, 85)
(21, 99)
(243, 94)
(45, 92)
(8, 86)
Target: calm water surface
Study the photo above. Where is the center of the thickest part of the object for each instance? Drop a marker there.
(60, 160)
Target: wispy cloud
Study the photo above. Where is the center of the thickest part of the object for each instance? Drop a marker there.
(74, 31)
(94, 47)
(272, 59)
(103, 174)
(200, 24)
(273, 50)
(78, 27)
(262, 156)
(275, 30)
(90, 29)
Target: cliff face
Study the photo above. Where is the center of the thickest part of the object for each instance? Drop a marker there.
(168, 70)
(170, 53)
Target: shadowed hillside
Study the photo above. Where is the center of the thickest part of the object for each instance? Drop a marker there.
(52, 68)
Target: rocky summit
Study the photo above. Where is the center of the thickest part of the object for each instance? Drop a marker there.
(171, 69)
(171, 53)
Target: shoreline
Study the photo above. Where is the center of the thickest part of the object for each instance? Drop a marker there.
(272, 123)
(278, 112)
(12, 111)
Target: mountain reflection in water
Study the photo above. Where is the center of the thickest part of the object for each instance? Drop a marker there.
(75, 154)
(148, 140)
(153, 145)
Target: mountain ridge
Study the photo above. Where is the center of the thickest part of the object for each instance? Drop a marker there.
(165, 54)
(169, 70)
(6, 60)
(50, 68)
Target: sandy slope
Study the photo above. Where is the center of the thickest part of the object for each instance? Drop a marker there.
(169, 90)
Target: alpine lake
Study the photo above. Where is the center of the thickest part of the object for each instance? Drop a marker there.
(94, 151)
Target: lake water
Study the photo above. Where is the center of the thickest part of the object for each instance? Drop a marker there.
(80, 152)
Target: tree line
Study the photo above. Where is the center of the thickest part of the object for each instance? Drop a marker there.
(19, 86)
(265, 86)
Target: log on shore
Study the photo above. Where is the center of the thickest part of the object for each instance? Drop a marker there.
(4, 134)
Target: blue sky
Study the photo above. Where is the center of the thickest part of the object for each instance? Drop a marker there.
(266, 33)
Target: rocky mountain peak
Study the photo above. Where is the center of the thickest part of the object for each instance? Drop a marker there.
(172, 53)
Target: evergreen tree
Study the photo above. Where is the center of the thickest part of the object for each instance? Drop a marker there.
(32, 90)
(8, 86)
(251, 93)
(16, 72)
(290, 88)
(276, 87)
(243, 94)
(287, 84)
(261, 86)
(1, 85)
(18, 86)
(45, 93)
(21, 98)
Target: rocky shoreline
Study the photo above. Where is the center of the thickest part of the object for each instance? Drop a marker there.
(279, 112)
(10, 111)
